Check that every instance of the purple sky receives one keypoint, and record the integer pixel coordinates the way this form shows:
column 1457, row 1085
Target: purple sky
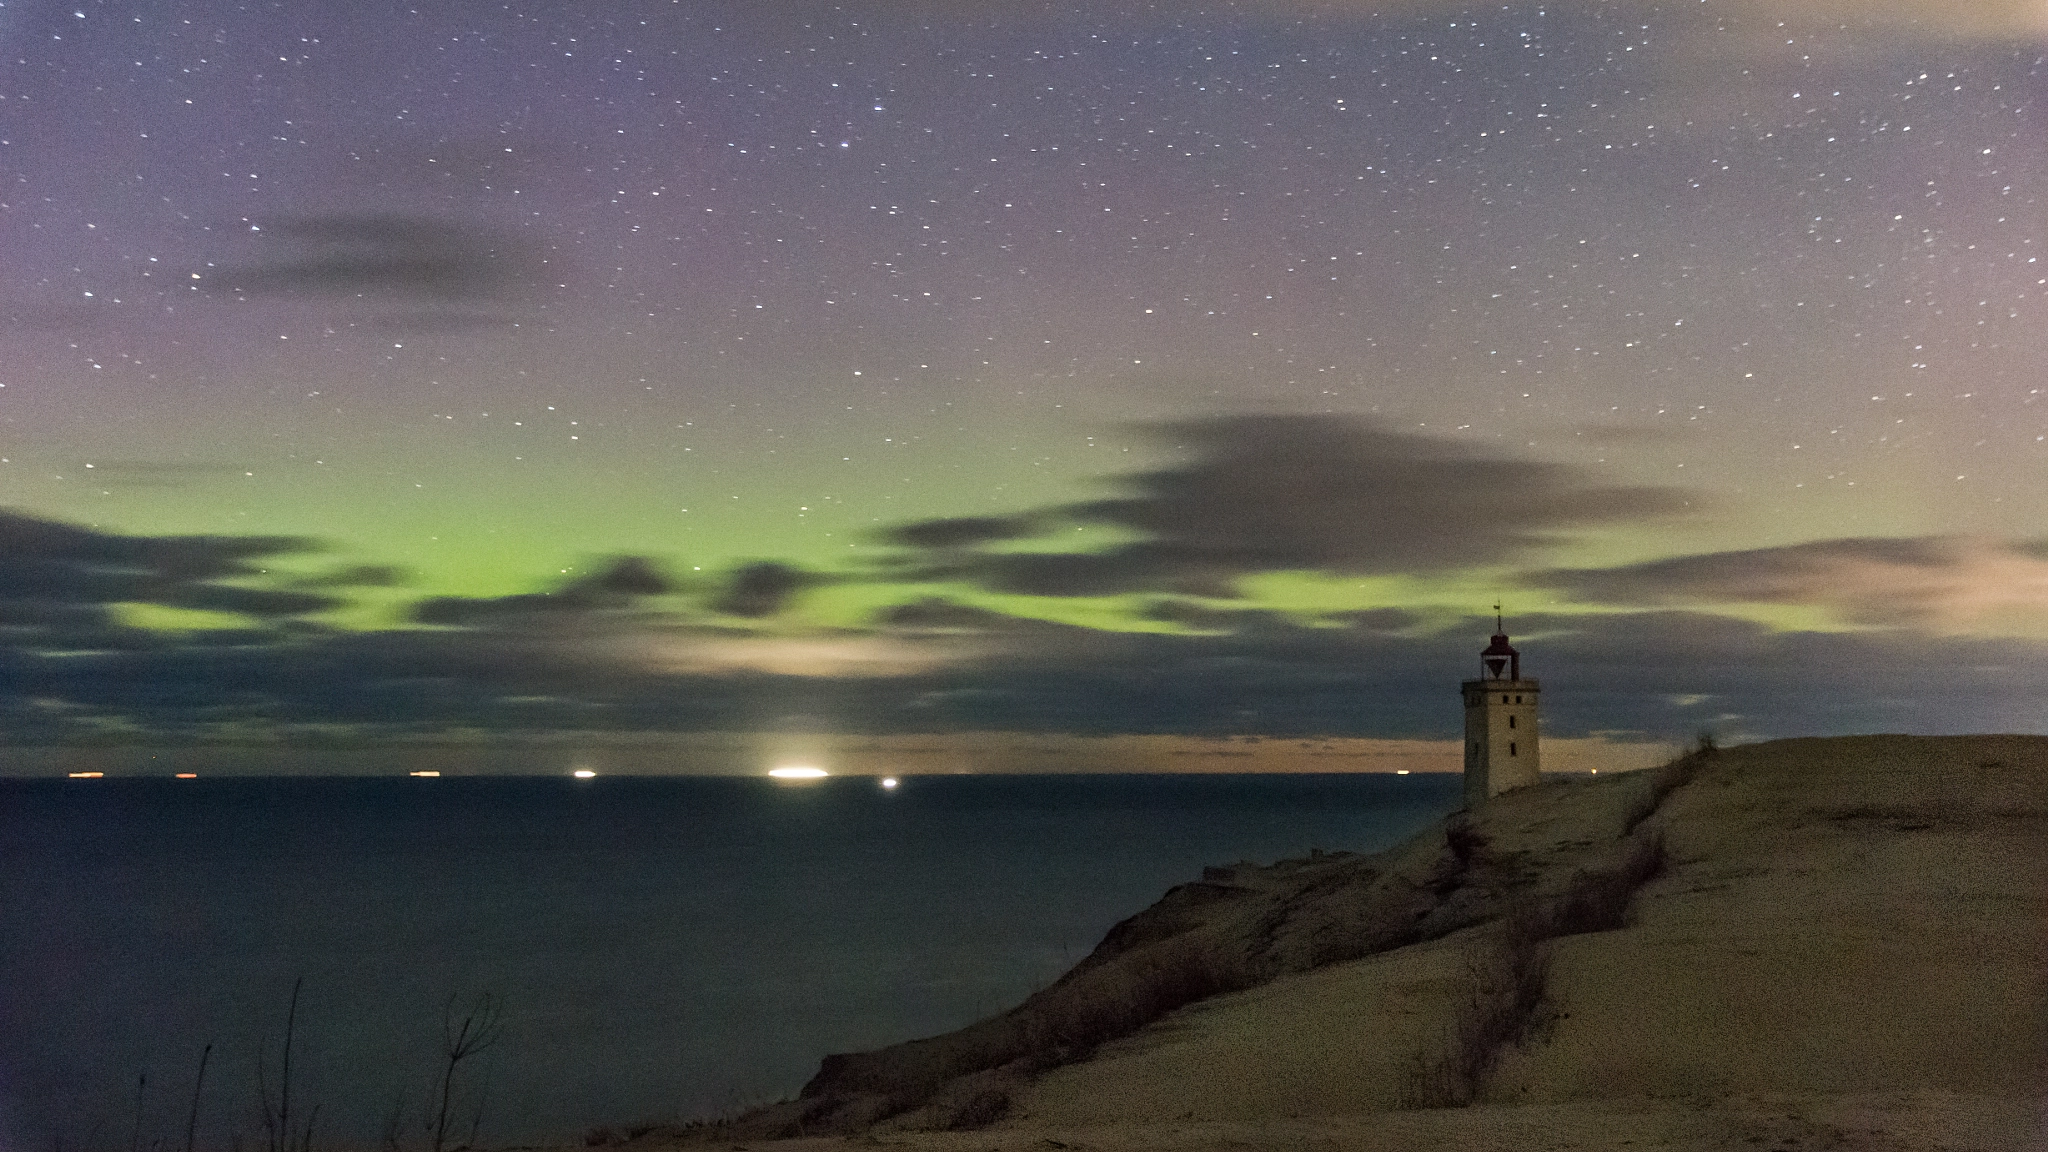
column 914, row 365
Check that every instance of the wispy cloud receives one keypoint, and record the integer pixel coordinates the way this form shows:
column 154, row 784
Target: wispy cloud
column 1943, row 584
column 1970, row 20
column 380, row 258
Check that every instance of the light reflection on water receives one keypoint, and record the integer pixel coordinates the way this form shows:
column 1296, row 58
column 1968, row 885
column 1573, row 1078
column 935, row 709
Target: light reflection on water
column 666, row 947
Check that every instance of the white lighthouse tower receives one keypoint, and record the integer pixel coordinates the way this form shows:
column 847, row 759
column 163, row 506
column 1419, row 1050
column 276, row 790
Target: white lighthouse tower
column 1500, row 723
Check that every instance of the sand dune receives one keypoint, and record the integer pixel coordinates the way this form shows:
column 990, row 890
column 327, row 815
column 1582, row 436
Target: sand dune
column 1845, row 946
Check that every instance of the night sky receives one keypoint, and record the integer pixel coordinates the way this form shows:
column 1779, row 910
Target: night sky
column 898, row 365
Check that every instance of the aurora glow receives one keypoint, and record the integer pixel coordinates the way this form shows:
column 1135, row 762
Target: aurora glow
column 911, row 345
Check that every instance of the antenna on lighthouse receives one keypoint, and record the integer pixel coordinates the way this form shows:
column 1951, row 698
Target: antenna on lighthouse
column 1500, row 658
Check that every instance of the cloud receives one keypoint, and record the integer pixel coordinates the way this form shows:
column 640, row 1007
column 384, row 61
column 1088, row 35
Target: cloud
column 963, row 531
column 1275, row 493
column 1946, row 19
column 820, row 657
column 761, row 589
column 591, row 655
column 356, row 576
column 618, row 585
column 1945, row 584
column 939, row 615
column 1656, row 674
column 59, row 582
column 377, row 257
column 1379, row 619
column 1196, row 615
column 1967, row 20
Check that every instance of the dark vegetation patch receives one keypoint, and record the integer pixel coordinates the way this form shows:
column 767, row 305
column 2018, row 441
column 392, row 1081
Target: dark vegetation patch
column 981, row 1110
column 1506, row 978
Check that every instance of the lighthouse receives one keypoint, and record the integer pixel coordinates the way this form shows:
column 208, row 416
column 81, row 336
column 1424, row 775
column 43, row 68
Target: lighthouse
column 1500, row 723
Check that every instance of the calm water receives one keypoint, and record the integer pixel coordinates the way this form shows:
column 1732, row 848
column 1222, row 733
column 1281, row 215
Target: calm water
column 667, row 947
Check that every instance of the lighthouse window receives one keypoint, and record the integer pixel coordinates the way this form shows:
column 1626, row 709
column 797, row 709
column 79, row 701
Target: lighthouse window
column 1503, row 699
column 1511, row 721
column 1511, row 747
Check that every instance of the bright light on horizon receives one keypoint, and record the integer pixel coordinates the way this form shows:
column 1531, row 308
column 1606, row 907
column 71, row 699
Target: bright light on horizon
column 1400, row 771
column 422, row 773
column 798, row 772
column 888, row 781
column 188, row 775
column 583, row 773
column 85, row 775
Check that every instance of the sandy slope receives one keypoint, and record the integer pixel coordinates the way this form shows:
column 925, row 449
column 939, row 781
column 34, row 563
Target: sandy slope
column 1774, row 1123
column 1847, row 949
column 1840, row 916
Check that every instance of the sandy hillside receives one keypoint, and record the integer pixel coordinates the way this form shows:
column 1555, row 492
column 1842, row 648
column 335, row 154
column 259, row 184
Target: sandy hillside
column 1836, row 943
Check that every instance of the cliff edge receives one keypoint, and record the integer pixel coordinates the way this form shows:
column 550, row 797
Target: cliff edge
column 1807, row 943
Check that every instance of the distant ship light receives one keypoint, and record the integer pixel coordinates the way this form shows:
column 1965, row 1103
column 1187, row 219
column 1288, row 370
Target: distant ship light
column 888, row 781
column 422, row 773
column 798, row 772
column 188, row 775
column 583, row 773
column 85, row 775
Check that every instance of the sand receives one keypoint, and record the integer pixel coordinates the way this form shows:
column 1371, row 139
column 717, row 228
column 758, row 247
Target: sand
column 1847, row 948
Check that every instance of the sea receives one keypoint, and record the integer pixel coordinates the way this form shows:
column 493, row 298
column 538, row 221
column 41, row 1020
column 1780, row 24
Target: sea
column 658, row 949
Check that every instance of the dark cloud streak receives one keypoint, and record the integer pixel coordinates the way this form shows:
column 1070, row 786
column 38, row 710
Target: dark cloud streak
column 1277, row 493
column 61, row 574
column 383, row 257
column 1661, row 675
column 761, row 589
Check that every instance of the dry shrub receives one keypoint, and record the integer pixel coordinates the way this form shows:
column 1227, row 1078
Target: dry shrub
column 1464, row 840
column 1505, row 982
column 1504, row 986
column 981, row 1110
column 1663, row 781
column 1597, row 900
column 1060, row 1025
column 1118, row 1001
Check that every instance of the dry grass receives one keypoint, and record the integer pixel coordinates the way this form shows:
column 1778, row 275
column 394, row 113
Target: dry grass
column 1506, row 979
column 1157, row 980
column 981, row 1110
column 1060, row 1025
column 1597, row 900
column 1504, row 986
column 1666, row 779
column 1464, row 840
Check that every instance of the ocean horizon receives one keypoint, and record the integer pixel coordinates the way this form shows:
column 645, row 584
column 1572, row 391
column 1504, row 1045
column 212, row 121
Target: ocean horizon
column 665, row 948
